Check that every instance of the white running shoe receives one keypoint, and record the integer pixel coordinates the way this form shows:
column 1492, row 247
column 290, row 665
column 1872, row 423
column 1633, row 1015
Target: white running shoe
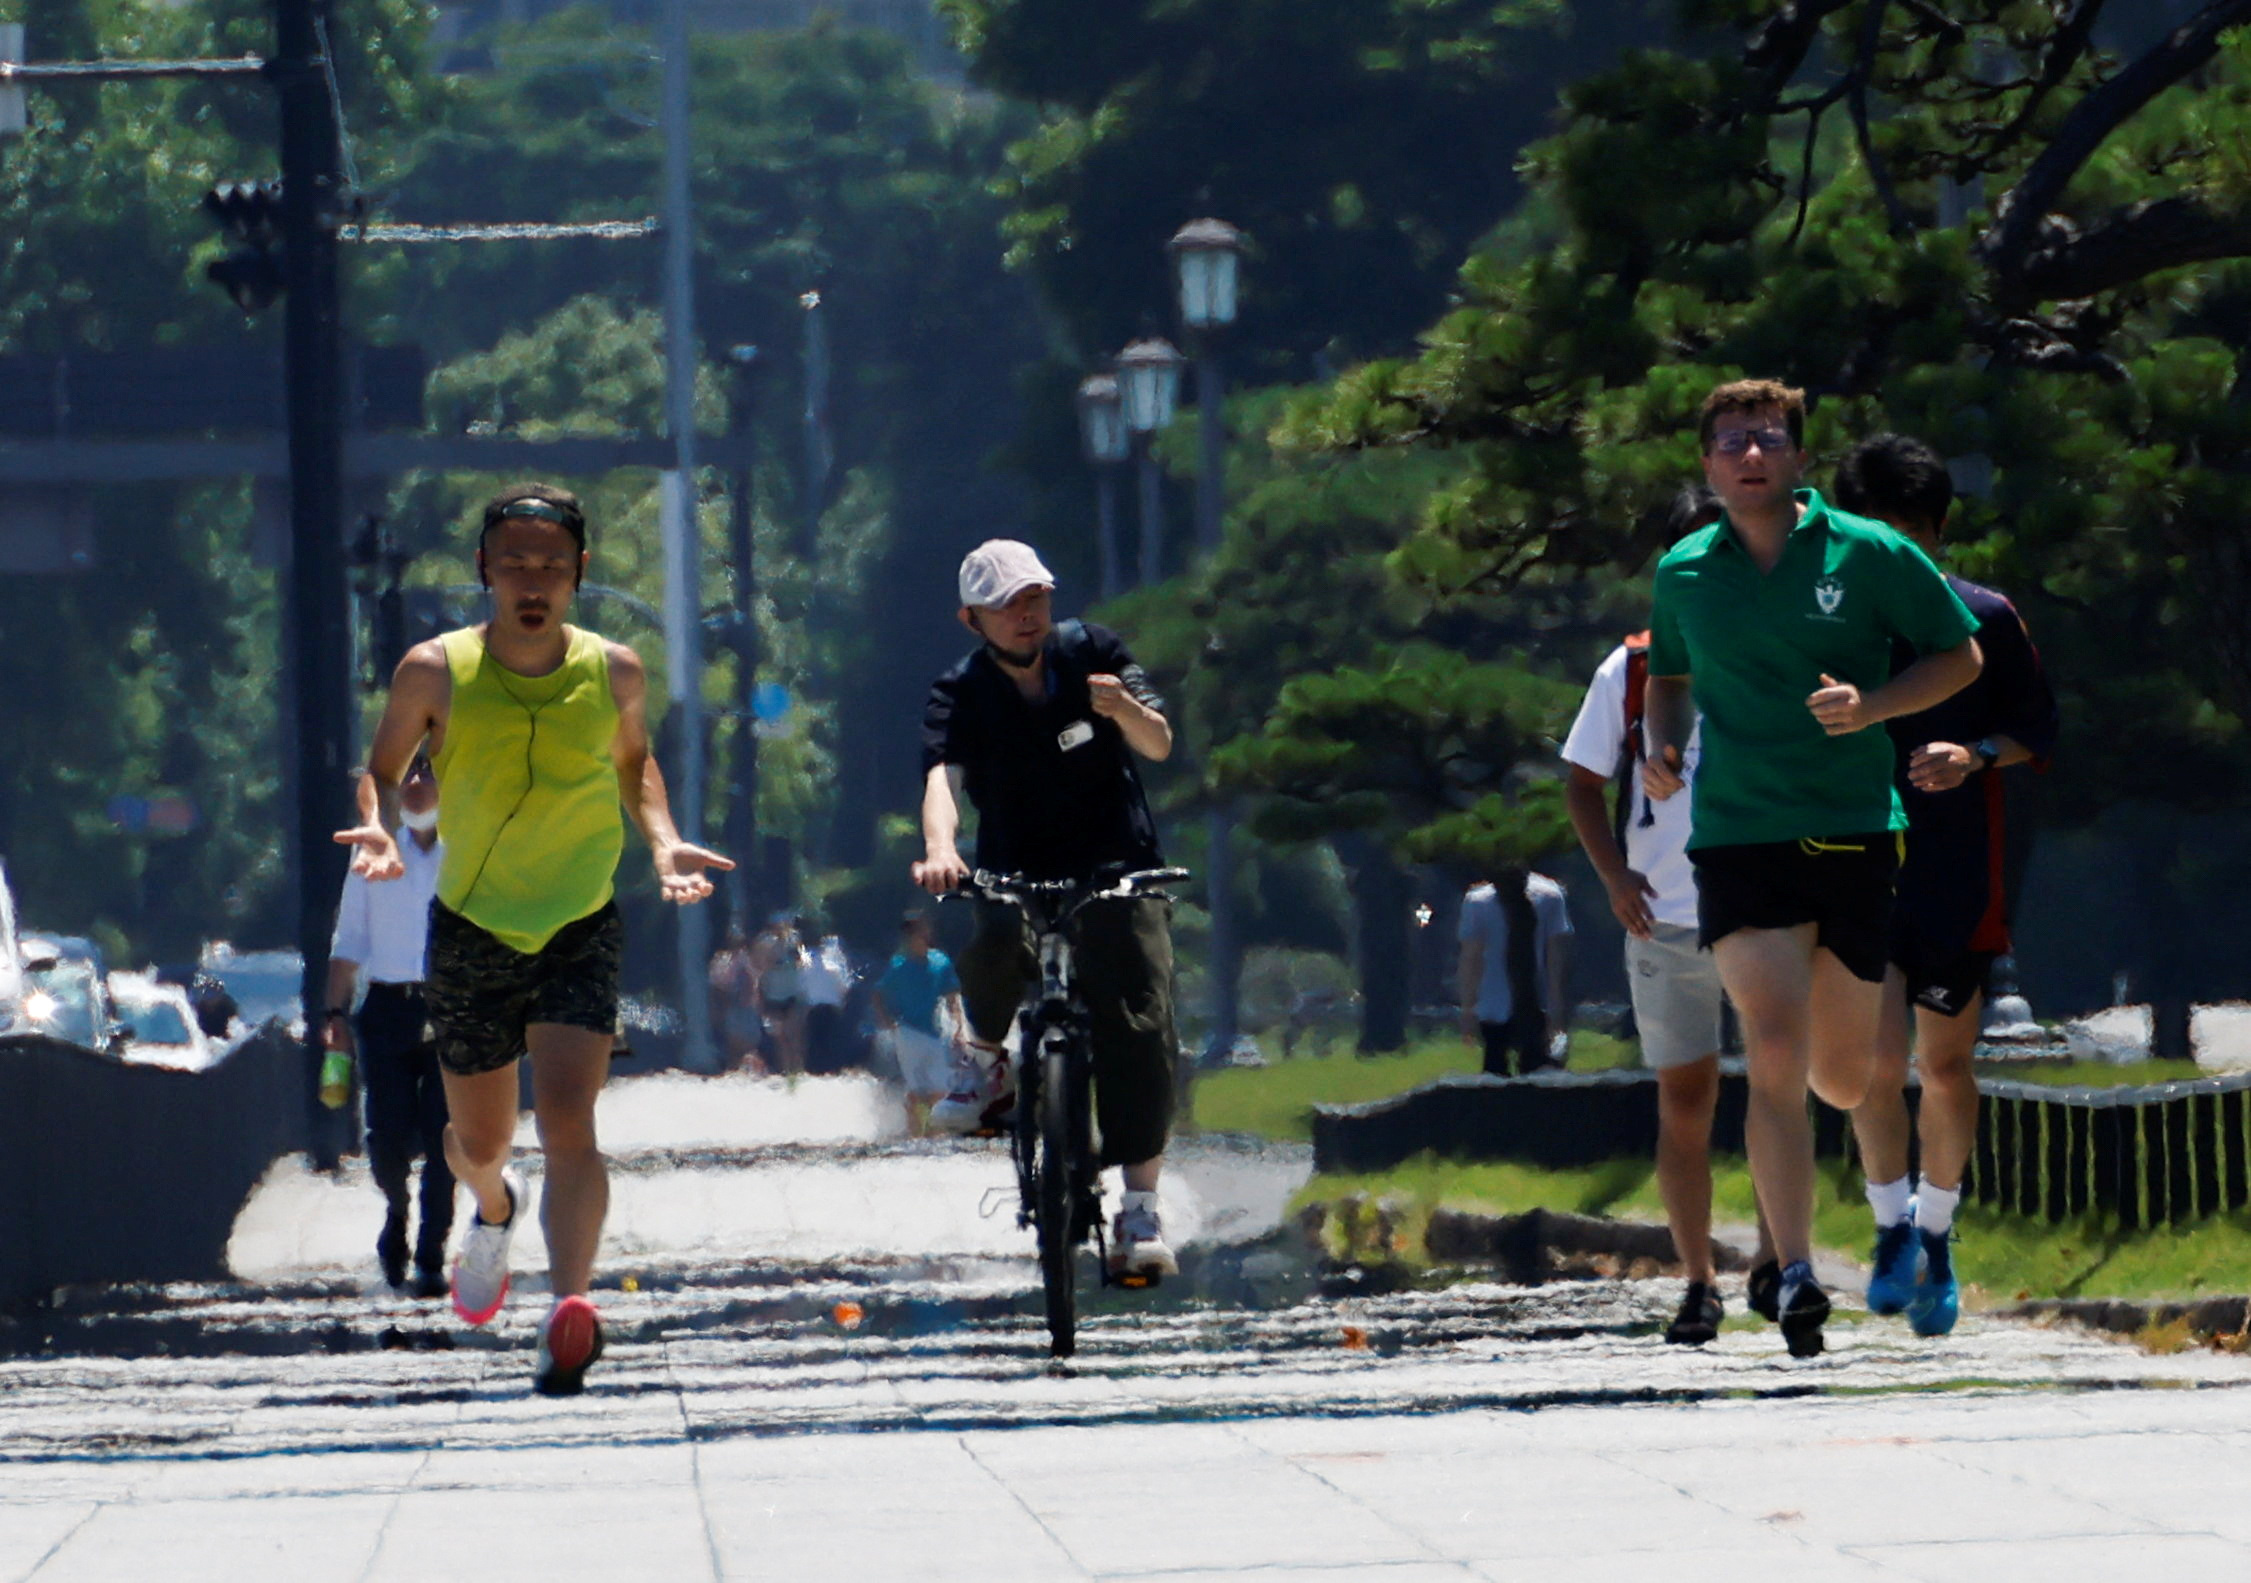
column 983, row 1094
column 1138, row 1250
column 480, row 1270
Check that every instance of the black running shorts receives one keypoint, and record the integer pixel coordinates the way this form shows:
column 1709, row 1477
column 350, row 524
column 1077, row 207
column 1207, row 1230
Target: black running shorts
column 1948, row 986
column 483, row 994
column 1842, row 885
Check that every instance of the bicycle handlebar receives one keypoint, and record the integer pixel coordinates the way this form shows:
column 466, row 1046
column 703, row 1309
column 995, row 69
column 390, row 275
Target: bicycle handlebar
column 1015, row 889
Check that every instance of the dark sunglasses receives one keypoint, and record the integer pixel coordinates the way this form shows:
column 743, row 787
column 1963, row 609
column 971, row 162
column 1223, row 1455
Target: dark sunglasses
column 1734, row 442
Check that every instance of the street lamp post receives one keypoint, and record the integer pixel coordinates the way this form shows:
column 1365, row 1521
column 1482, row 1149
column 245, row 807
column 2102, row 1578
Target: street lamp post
column 1103, row 435
column 1149, row 383
column 1206, row 255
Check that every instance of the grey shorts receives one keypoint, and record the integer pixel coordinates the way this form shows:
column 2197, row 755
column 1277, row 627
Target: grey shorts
column 1677, row 996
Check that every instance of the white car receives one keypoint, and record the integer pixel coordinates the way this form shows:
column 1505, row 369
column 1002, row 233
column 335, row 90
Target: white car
column 157, row 1023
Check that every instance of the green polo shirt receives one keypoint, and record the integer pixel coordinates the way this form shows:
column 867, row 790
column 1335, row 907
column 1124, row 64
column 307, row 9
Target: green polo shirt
column 1756, row 645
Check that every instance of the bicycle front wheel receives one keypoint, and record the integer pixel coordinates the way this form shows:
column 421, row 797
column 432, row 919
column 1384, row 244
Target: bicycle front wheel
column 1058, row 1176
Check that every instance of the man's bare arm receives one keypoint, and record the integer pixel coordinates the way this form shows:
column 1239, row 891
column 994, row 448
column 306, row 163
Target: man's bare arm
column 1146, row 730
column 415, row 712
column 941, row 868
column 1669, row 718
column 679, row 864
column 1843, row 708
column 1590, row 821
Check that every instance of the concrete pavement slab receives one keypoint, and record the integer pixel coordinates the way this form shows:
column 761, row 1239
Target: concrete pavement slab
column 539, row 1535
column 2095, row 1558
column 319, row 1539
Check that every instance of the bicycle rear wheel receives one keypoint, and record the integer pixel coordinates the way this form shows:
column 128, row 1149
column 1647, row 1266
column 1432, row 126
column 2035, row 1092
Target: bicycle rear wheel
column 1057, row 1170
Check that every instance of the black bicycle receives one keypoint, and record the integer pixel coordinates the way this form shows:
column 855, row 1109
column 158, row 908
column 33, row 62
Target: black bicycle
column 1058, row 1172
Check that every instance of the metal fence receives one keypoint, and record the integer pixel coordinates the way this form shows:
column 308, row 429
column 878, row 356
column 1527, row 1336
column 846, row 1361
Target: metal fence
column 2162, row 1154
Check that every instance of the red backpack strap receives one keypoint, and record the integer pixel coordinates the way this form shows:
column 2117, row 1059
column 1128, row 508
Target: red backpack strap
column 1629, row 740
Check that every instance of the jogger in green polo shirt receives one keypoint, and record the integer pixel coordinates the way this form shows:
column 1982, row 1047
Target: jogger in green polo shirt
column 1777, row 623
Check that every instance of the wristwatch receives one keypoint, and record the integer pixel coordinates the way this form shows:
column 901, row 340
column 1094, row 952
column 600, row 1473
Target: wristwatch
column 1988, row 752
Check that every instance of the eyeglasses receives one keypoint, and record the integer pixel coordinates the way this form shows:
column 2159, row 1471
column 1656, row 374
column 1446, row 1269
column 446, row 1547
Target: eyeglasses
column 1734, row 442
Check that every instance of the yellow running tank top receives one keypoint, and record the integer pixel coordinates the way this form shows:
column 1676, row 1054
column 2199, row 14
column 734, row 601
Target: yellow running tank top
column 528, row 792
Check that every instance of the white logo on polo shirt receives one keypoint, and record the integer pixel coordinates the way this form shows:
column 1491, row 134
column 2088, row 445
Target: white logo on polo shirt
column 1828, row 594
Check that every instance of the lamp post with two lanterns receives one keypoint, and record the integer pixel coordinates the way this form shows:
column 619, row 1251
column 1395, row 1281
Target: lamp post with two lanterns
column 1103, row 436
column 1207, row 255
column 1149, row 390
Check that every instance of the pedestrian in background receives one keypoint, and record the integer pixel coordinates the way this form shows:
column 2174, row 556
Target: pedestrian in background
column 382, row 930
column 1512, row 970
column 779, row 957
column 827, row 982
column 918, row 1005
column 733, row 981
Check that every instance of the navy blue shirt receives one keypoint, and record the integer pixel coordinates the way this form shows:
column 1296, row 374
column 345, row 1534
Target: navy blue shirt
column 1054, row 784
column 1956, row 888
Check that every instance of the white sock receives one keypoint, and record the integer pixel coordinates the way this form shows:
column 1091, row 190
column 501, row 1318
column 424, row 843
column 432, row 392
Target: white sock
column 1934, row 1209
column 1134, row 1200
column 1889, row 1201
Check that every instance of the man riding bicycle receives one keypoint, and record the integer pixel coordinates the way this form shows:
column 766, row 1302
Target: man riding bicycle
column 1041, row 725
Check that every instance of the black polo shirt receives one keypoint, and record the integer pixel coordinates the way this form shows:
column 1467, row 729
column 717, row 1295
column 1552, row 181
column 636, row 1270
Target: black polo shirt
column 1054, row 784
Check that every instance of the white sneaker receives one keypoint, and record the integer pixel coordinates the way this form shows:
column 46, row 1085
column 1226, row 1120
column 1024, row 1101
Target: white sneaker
column 983, row 1094
column 480, row 1270
column 1138, row 1250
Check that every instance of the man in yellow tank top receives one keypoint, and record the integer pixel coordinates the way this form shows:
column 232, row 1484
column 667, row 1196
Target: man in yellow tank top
column 538, row 732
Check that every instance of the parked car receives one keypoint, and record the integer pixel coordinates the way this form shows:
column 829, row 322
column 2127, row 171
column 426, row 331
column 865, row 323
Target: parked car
column 158, row 1024
column 266, row 985
column 65, row 993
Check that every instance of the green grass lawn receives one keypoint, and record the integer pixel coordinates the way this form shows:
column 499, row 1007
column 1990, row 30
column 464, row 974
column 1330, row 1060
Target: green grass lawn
column 2006, row 1258
column 2092, row 1074
column 1277, row 1100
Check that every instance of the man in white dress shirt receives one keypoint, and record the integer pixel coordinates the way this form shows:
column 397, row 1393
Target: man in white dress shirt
column 382, row 930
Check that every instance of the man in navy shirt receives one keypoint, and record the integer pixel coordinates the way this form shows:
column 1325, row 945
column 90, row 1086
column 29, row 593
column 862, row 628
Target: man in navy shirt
column 1041, row 725
column 1951, row 915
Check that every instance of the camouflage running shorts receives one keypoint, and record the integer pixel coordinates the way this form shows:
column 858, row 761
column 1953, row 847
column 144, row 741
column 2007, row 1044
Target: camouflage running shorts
column 482, row 994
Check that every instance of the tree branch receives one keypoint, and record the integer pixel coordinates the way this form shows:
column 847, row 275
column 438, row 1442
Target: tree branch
column 2138, row 240
column 2018, row 215
column 2064, row 52
column 1780, row 47
column 1871, row 39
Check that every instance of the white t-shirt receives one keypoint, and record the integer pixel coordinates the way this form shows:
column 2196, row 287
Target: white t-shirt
column 1657, row 850
column 1483, row 921
column 383, row 925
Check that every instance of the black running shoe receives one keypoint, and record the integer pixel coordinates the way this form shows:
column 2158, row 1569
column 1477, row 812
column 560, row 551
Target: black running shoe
column 1699, row 1318
column 1763, row 1291
column 1804, row 1308
column 390, row 1248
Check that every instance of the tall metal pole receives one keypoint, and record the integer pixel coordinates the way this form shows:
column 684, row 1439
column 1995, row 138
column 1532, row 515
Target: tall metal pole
column 682, row 541
column 742, row 764
column 1106, row 527
column 317, row 612
column 1152, row 511
column 1219, row 820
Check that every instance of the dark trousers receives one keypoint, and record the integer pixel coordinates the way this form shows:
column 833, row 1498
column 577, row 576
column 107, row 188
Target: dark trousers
column 1525, row 1035
column 1123, row 960
column 406, row 1113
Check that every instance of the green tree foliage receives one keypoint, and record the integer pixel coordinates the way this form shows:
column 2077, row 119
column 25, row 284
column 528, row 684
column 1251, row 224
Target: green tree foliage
column 155, row 671
column 1962, row 220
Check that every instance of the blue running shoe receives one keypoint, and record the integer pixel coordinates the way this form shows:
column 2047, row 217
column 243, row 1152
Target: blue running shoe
column 1938, row 1295
column 1891, row 1284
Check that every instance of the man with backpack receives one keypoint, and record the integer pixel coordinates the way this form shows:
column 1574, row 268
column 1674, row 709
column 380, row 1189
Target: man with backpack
column 1640, row 852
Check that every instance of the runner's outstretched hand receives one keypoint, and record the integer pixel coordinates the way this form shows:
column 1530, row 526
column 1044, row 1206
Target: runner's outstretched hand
column 680, row 871
column 1839, row 707
column 375, row 855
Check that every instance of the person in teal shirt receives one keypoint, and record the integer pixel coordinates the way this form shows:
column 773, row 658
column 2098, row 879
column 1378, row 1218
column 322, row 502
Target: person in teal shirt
column 1777, row 623
column 920, row 980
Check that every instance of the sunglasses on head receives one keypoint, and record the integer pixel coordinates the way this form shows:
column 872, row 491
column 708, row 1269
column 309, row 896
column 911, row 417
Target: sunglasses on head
column 1734, row 442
